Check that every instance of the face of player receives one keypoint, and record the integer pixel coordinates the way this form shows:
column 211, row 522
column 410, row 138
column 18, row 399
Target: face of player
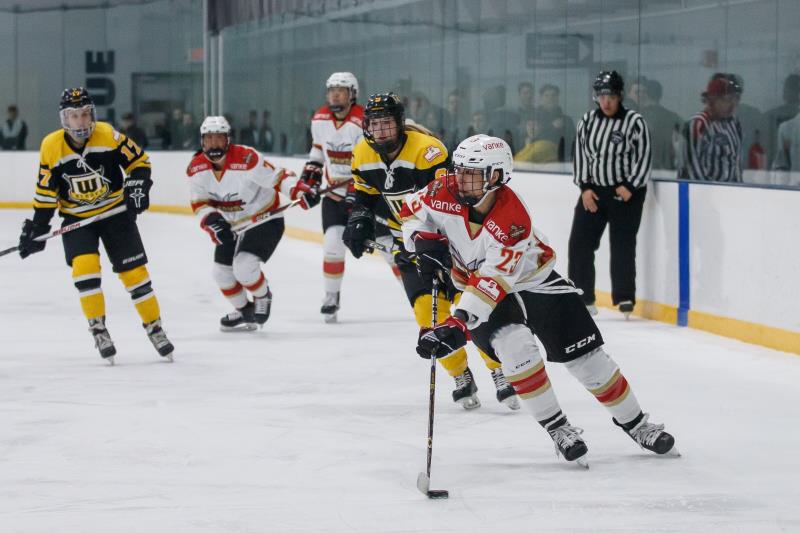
column 215, row 145
column 722, row 106
column 339, row 98
column 609, row 104
column 78, row 118
column 383, row 129
column 470, row 182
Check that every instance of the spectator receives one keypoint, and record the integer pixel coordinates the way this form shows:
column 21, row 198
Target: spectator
column 552, row 124
column 503, row 121
column 454, row 120
column 634, row 99
column 251, row 134
column 175, row 127
column 777, row 116
column 612, row 168
column 787, row 156
column 14, row 132
column 190, row 133
column 478, row 124
column 266, row 134
column 661, row 122
column 752, row 121
column 714, row 135
column 133, row 131
column 536, row 149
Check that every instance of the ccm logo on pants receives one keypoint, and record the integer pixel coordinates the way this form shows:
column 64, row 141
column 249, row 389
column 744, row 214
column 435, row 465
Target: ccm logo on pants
column 580, row 344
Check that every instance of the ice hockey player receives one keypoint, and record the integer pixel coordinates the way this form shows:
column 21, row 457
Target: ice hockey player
column 471, row 221
column 230, row 184
column 392, row 160
column 87, row 168
column 335, row 129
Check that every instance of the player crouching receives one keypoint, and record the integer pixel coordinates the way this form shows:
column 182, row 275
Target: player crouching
column 510, row 291
column 230, row 185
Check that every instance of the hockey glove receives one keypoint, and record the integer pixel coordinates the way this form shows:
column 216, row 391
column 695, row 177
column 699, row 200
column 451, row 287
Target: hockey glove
column 218, row 228
column 444, row 339
column 137, row 194
column 308, row 194
column 30, row 230
column 360, row 227
column 402, row 257
column 312, row 174
column 433, row 255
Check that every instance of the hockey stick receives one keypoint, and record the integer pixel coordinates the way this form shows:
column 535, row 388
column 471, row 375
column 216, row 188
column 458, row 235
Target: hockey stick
column 263, row 218
column 375, row 245
column 71, row 227
column 424, row 478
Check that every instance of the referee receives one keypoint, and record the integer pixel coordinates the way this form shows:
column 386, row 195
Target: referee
column 612, row 167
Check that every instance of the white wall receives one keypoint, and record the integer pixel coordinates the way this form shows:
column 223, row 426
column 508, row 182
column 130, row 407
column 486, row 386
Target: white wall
column 743, row 261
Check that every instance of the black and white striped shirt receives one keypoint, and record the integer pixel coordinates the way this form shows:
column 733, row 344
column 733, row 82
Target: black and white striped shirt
column 612, row 151
column 713, row 149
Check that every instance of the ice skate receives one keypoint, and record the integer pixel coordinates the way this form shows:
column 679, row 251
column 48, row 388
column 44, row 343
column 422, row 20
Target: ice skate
column 466, row 392
column 569, row 443
column 626, row 308
column 652, row 437
column 261, row 308
column 158, row 337
column 102, row 339
column 505, row 392
column 330, row 306
column 242, row 319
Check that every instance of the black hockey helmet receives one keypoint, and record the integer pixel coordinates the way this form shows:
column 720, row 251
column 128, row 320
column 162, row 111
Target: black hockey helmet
column 608, row 82
column 380, row 106
column 76, row 98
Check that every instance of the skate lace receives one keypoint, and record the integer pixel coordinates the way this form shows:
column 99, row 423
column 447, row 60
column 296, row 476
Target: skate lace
column 157, row 335
column 102, row 338
column 565, row 436
column 234, row 315
column 262, row 304
column 646, row 433
column 463, row 380
column 500, row 381
column 331, row 299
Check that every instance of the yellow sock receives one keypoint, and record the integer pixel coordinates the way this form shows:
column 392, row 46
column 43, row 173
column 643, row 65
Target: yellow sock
column 86, row 277
column 137, row 282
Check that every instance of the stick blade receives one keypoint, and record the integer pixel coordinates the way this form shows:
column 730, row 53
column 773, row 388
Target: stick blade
column 424, row 484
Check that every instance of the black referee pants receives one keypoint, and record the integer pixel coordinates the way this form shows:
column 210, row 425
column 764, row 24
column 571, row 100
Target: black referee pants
column 584, row 240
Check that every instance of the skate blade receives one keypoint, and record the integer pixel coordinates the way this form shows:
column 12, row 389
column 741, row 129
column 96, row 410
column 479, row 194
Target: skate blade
column 168, row 358
column 582, row 462
column 673, row 452
column 234, row 329
column 469, row 403
column 627, row 316
column 512, row 403
column 330, row 319
column 109, row 360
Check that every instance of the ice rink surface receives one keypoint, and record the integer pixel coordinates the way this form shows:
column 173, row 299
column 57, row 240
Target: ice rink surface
column 309, row 427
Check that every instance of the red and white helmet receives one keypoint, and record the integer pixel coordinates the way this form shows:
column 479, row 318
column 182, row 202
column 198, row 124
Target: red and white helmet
column 344, row 79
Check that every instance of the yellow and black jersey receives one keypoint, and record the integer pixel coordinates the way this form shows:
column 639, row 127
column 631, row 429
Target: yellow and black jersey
column 86, row 182
column 421, row 160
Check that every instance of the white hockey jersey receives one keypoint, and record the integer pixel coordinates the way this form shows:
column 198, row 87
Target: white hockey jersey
column 333, row 142
column 249, row 185
column 503, row 255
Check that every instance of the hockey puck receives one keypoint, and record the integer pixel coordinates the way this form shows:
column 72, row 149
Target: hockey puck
column 438, row 494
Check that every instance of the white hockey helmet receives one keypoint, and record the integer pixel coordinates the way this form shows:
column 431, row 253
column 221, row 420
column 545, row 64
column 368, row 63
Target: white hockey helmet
column 346, row 80
column 215, row 124
column 487, row 154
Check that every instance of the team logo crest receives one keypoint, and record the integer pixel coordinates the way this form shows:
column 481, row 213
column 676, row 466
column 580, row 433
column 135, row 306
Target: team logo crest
column 516, row 231
column 389, row 183
column 616, row 137
column 434, row 188
column 431, row 153
column 88, row 188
